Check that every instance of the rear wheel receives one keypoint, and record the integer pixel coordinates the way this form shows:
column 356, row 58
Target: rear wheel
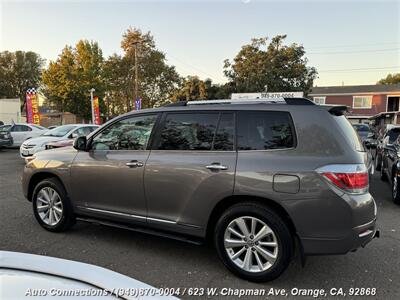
column 51, row 206
column 382, row 171
column 377, row 163
column 253, row 242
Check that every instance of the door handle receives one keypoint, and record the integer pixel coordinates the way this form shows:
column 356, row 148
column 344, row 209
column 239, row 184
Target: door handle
column 134, row 164
column 216, row 167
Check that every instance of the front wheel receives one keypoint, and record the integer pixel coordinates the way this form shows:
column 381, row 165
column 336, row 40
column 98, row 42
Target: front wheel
column 395, row 190
column 253, row 242
column 51, row 206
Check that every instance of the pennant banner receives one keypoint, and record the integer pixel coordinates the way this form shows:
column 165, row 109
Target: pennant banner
column 32, row 107
column 96, row 109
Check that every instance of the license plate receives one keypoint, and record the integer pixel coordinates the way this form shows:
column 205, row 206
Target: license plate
column 25, row 152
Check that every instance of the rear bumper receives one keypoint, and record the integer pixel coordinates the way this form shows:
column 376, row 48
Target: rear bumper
column 359, row 236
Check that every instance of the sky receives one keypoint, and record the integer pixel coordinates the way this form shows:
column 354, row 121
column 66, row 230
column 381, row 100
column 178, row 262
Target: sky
column 348, row 42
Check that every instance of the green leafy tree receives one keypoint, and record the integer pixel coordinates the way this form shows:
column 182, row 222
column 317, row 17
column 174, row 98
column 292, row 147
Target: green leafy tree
column 67, row 80
column 192, row 88
column 19, row 71
column 390, row 79
column 278, row 66
column 157, row 81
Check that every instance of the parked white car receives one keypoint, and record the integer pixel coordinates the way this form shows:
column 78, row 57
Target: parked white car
column 25, row 275
column 71, row 131
column 22, row 131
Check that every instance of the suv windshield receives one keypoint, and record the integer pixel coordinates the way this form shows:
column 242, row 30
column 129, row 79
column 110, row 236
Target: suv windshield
column 60, row 131
column 349, row 132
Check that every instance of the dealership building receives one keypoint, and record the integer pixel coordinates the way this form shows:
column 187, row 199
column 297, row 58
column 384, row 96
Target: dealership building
column 365, row 102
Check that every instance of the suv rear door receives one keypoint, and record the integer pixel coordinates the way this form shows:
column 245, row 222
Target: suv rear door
column 191, row 166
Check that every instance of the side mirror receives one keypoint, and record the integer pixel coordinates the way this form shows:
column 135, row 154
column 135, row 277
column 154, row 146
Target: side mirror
column 80, row 143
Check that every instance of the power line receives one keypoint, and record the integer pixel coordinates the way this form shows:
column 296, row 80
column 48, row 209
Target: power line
column 351, row 45
column 359, row 69
column 356, row 51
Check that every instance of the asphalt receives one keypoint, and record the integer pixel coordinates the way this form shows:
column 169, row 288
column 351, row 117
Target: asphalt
column 167, row 263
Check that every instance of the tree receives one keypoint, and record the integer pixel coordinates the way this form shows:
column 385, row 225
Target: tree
column 157, row 81
column 390, row 79
column 275, row 65
column 19, row 71
column 192, row 88
column 67, row 80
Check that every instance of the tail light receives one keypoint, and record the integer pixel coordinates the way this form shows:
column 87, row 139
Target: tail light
column 351, row 178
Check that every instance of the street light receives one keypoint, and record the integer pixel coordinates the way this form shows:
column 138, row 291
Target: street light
column 91, row 103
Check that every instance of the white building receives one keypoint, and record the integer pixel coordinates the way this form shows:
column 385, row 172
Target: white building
column 10, row 111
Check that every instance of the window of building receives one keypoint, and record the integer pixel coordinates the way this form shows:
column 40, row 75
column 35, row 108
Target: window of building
column 265, row 130
column 319, row 100
column 362, row 101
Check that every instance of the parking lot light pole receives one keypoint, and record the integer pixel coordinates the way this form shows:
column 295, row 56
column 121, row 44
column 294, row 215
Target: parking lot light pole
column 91, row 103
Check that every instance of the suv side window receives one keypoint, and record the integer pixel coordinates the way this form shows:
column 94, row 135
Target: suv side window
column 188, row 131
column 128, row 134
column 264, row 130
column 224, row 138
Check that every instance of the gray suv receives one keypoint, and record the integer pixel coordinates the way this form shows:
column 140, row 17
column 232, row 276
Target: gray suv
column 260, row 179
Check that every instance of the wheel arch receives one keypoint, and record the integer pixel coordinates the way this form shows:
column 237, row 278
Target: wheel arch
column 227, row 202
column 38, row 177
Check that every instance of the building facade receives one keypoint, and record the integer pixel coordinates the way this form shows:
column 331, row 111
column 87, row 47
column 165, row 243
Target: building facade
column 364, row 101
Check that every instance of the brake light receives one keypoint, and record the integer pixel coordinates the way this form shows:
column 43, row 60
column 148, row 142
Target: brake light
column 352, row 178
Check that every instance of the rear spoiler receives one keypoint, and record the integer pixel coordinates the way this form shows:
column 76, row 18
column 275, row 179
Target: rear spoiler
column 336, row 110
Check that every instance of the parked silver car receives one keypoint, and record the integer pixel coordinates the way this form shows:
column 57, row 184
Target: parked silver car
column 253, row 176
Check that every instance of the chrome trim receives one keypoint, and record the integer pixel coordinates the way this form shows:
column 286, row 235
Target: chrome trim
column 216, row 167
column 161, row 220
column 127, row 215
column 365, row 233
column 113, row 213
column 343, row 168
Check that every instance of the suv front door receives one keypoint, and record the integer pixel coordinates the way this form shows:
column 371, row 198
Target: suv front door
column 191, row 167
column 108, row 179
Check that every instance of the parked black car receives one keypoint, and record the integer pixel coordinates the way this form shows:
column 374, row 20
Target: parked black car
column 390, row 167
column 6, row 139
column 388, row 138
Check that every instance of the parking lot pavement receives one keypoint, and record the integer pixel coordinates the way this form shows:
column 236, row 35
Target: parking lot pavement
column 167, row 263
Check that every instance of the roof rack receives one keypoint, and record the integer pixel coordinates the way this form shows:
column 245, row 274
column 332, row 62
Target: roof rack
column 288, row 101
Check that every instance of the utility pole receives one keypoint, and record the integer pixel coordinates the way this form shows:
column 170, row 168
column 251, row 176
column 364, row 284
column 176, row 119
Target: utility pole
column 91, row 103
column 135, row 44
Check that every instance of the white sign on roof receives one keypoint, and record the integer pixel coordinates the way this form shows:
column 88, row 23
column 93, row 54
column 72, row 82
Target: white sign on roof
column 267, row 95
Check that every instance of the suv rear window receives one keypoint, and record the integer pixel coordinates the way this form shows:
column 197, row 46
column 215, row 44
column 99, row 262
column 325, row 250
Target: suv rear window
column 349, row 132
column 265, row 130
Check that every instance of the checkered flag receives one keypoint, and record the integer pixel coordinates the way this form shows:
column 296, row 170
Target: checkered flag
column 31, row 91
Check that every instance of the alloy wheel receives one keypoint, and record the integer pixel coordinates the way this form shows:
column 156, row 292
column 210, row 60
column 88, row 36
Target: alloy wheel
column 251, row 244
column 49, row 206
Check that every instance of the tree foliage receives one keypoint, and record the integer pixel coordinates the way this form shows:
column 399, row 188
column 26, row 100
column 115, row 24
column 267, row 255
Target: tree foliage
column 278, row 66
column 67, row 80
column 157, row 81
column 390, row 79
column 19, row 71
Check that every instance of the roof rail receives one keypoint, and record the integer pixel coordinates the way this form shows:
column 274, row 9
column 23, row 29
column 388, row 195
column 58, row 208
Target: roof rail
column 288, row 101
column 230, row 101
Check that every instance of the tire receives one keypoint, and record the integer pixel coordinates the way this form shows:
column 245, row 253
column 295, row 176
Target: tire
column 395, row 190
column 377, row 163
column 382, row 172
column 66, row 217
column 261, row 269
